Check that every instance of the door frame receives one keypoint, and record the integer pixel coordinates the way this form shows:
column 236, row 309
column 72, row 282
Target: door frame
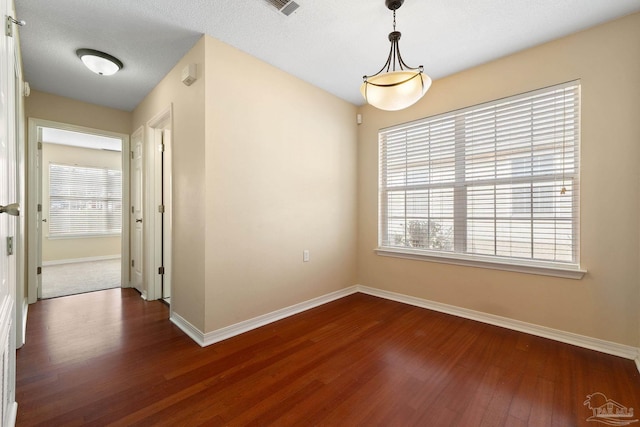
column 33, row 188
column 154, row 233
column 139, row 134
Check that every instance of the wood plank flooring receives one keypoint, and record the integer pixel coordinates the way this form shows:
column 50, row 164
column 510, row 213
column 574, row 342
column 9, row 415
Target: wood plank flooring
column 110, row 358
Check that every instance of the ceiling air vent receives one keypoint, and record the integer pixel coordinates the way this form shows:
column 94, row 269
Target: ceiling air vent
column 286, row 7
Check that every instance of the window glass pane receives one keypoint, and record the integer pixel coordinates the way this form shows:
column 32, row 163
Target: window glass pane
column 481, row 237
column 481, row 201
column 513, row 238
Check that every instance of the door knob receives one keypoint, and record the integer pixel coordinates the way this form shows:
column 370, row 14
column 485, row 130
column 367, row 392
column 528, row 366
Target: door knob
column 13, row 209
column 139, row 220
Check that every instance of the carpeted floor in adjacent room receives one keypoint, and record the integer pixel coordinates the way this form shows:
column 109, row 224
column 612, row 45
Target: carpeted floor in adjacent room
column 69, row 279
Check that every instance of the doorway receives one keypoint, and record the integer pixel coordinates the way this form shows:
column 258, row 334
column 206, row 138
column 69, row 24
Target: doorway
column 150, row 211
column 78, row 189
column 158, row 203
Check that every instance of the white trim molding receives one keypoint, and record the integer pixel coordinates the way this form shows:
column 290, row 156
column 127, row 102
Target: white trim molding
column 13, row 413
column 194, row 333
column 494, row 263
column 603, row 346
column 23, row 326
column 205, row 339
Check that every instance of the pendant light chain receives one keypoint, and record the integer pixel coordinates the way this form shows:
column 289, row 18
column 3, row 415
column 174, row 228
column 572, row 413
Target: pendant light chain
column 394, row 19
column 394, row 44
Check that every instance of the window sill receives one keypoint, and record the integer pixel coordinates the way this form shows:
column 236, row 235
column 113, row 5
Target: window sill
column 568, row 271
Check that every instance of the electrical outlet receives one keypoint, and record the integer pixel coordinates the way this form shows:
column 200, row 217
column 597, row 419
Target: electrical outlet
column 305, row 255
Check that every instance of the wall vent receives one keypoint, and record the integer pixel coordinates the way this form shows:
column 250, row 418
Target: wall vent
column 286, row 7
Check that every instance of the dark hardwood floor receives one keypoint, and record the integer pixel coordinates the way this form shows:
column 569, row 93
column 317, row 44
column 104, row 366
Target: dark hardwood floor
column 110, row 358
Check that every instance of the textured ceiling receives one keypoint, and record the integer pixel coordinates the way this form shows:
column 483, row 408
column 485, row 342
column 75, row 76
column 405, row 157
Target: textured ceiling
column 328, row 43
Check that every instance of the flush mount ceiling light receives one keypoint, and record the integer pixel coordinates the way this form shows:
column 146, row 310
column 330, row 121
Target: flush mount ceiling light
column 396, row 85
column 99, row 62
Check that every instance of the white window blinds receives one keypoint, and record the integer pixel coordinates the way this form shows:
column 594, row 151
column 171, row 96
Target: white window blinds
column 497, row 180
column 84, row 201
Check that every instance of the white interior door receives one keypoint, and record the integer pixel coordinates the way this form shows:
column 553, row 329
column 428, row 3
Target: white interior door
column 18, row 120
column 8, row 222
column 137, row 217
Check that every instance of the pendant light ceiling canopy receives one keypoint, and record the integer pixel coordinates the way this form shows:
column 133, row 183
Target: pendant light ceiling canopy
column 396, row 86
column 99, row 62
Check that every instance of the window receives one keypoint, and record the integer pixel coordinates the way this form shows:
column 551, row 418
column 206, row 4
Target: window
column 84, row 201
column 496, row 182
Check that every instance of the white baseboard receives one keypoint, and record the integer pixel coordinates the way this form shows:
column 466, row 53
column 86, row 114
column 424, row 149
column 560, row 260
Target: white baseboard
column 248, row 325
column 13, row 414
column 256, row 322
column 603, row 346
column 194, row 333
column 25, row 312
column 74, row 260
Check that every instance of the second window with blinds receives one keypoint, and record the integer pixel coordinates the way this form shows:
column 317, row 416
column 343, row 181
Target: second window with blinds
column 84, row 201
column 496, row 182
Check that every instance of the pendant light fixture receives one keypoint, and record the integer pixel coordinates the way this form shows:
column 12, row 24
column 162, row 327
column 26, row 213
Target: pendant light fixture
column 99, row 62
column 396, row 86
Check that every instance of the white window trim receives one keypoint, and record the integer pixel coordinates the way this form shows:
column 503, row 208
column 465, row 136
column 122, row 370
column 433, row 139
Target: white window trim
column 538, row 267
column 569, row 271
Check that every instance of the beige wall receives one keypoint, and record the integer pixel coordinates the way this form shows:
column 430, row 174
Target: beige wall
column 281, row 178
column 605, row 304
column 259, row 175
column 41, row 105
column 61, row 249
column 188, row 180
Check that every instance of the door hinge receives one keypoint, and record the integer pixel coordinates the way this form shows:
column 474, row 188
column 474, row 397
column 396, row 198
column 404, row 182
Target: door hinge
column 9, row 245
column 131, row 209
column 161, row 147
column 161, row 208
column 160, row 270
column 39, row 207
column 39, row 145
column 39, row 270
column 8, row 29
column 132, row 154
column 133, row 263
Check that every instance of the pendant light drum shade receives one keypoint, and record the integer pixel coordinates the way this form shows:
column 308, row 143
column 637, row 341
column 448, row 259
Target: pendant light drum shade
column 99, row 62
column 395, row 90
